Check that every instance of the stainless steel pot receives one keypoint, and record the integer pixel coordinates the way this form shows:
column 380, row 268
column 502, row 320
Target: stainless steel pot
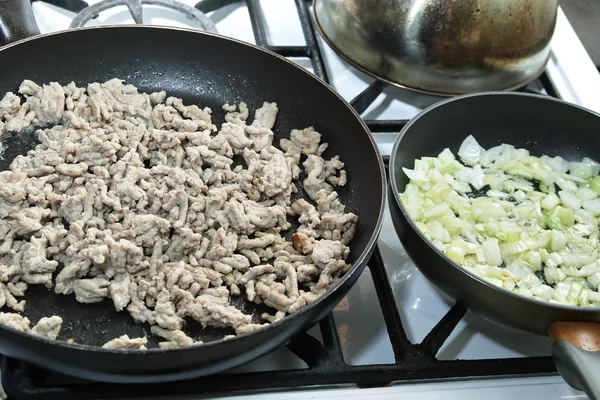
column 444, row 47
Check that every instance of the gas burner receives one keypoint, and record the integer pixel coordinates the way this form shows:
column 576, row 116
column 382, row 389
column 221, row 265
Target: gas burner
column 135, row 9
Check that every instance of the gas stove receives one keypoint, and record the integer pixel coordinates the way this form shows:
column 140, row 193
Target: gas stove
column 394, row 334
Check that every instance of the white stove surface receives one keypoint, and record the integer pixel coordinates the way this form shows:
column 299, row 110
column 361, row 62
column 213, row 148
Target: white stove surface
column 360, row 323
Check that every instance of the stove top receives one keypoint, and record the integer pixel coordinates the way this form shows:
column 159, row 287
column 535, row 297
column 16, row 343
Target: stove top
column 393, row 328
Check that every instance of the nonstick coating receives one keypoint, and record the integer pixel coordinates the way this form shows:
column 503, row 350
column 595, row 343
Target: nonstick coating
column 539, row 124
column 207, row 70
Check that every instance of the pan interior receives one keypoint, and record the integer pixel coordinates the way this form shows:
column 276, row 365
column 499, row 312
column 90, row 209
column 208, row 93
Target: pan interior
column 206, row 70
column 543, row 126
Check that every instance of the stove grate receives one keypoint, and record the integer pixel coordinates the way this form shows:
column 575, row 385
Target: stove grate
column 325, row 360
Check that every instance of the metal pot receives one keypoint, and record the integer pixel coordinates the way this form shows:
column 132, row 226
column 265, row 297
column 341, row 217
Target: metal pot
column 444, row 47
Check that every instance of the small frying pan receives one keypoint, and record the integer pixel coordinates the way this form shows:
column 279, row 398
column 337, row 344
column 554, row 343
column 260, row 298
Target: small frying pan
column 208, row 70
column 543, row 126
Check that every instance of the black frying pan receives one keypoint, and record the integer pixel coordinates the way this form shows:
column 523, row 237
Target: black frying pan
column 543, row 126
column 207, row 70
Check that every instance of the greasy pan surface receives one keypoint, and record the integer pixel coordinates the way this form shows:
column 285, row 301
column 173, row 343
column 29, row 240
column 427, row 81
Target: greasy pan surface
column 207, row 70
column 539, row 124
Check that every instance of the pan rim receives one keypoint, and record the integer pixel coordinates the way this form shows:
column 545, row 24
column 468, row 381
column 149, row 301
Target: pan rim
column 400, row 204
column 361, row 259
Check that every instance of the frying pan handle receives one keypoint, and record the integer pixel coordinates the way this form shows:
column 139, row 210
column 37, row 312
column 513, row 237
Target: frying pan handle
column 576, row 353
column 16, row 21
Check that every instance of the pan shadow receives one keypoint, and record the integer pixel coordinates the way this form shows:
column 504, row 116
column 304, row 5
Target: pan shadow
column 360, row 325
column 222, row 13
column 522, row 343
column 279, row 359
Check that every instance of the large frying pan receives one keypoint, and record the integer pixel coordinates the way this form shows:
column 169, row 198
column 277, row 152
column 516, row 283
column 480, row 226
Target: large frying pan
column 543, row 126
column 204, row 69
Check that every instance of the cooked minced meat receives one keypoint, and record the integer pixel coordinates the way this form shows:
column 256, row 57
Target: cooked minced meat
column 136, row 197
column 125, row 342
column 48, row 326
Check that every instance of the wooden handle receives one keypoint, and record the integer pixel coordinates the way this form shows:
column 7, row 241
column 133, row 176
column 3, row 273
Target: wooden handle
column 584, row 335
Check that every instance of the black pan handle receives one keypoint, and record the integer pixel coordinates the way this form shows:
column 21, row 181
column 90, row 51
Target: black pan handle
column 576, row 353
column 16, row 21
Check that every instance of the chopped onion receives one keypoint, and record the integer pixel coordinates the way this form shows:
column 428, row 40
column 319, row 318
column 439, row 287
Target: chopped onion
column 578, row 260
column 536, row 215
column 416, row 176
column 550, row 202
column 437, row 212
column 595, row 166
column 573, row 294
column 456, row 254
column 594, row 280
column 584, row 272
column 593, row 206
column 470, row 151
column 580, row 170
column 570, row 200
column 564, row 184
column 535, row 260
column 585, row 193
column 543, row 291
column 557, row 163
column 558, row 241
column 491, row 155
column 519, row 195
column 491, row 250
column 595, row 184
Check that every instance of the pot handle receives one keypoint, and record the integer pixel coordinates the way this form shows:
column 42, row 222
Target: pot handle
column 576, row 353
column 16, row 21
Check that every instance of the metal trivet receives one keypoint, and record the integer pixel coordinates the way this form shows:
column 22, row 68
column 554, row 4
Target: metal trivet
column 135, row 9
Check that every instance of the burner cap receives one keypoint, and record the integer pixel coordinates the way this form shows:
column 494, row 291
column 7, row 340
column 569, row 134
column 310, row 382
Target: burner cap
column 135, row 8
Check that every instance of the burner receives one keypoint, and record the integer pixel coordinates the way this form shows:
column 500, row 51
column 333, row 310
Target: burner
column 135, row 8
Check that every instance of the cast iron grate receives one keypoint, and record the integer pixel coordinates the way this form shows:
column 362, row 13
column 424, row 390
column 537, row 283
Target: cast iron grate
column 325, row 360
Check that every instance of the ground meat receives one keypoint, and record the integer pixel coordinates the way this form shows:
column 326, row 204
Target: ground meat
column 90, row 290
column 15, row 321
column 48, row 327
column 303, row 243
column 125, row 342
column 174, row 338
column 327, row 250
column 141, row 199
column 47, row 102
